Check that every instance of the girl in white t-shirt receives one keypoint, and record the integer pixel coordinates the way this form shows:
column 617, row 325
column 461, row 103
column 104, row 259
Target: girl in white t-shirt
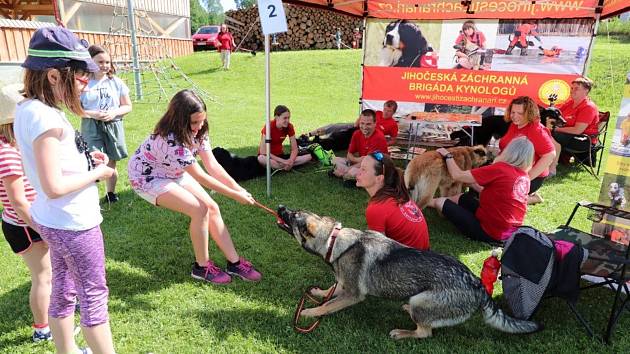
column 66, row 211
column 105, row 101
column 17, row 195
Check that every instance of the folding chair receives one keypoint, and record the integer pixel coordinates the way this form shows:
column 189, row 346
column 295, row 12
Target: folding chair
column 587, row 158
column 606, row 259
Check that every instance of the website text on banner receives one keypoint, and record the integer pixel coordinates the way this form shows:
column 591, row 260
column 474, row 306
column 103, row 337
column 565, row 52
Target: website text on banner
column 451, row 9
column 440, row 9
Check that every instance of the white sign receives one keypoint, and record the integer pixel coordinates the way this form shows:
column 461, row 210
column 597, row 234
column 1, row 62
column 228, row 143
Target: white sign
column 272, row 16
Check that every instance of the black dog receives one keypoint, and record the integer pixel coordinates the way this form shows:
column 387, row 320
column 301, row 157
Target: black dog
column 403, row 45
column 334, row 137
column 553, row 114
column 495, row 127
column 239, row 168
column 491, row 126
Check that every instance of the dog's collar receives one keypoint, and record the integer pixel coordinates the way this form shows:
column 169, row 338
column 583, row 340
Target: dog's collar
column 331, row 241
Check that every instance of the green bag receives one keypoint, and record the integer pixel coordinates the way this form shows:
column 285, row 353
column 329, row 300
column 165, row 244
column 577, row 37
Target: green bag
column 325, row 157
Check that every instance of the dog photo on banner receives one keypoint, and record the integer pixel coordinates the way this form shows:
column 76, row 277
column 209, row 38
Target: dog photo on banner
column 471, row 66
column 467, row 44
column 616, row 181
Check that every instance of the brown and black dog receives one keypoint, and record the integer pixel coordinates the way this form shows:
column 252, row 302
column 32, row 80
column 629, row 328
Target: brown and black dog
column 426, row 172
column 439, row 290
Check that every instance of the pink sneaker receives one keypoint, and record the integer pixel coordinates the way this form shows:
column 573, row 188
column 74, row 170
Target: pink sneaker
column 210, row 273
column 244, row 270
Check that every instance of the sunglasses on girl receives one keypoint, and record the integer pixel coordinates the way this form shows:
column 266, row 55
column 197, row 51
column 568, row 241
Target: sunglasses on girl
column 82, row 79
column 378, row 156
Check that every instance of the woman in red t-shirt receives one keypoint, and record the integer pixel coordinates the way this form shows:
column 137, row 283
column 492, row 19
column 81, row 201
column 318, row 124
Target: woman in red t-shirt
column 582, row 116
column 390, row 211
column 503, row 188
column 525, row 117
column 225, row 45
column 280, row 128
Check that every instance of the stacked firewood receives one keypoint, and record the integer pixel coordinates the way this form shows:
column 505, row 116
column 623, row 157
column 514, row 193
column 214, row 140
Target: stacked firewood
column 308, row 28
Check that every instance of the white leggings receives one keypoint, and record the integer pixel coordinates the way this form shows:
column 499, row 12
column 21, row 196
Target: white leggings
column 225, row 58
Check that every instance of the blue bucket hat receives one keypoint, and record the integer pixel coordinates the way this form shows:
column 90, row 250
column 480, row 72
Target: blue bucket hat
column 57, row 47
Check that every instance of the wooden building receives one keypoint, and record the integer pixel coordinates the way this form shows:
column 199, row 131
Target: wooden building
column 159, row 23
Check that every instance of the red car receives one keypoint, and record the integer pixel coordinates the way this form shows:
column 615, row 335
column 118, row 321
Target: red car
column 205, row 37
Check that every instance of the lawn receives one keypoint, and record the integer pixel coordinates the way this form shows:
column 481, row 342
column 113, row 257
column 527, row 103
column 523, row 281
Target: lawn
column 156, row 307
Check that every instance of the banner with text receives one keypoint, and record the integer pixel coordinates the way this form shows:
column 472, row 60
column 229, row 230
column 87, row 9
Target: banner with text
column 440, row 9
column 461, row 87
column 461, row 65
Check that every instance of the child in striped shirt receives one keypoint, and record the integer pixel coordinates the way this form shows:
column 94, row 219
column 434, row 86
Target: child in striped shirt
column 16, row 195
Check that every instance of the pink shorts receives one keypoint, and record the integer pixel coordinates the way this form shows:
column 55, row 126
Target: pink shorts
column 149, row 191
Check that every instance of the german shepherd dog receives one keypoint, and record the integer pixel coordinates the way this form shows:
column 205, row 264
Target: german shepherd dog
column 441, row 291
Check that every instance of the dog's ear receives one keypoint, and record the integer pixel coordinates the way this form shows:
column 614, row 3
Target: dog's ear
column 316, row 224
column 312, row 223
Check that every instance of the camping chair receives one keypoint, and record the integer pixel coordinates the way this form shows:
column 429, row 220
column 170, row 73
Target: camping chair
column 606, row 259
column 587, row 158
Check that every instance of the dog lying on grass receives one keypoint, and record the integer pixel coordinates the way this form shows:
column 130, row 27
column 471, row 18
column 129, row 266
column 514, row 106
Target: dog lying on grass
column 427, row 172
column 440, row 290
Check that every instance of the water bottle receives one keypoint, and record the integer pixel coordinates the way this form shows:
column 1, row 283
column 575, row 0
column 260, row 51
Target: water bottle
column 490, row 271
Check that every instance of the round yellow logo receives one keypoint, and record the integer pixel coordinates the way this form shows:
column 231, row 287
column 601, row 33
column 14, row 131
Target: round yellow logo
column 554, row 88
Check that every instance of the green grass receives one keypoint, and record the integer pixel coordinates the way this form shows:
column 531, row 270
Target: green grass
column 155, row 306
column 615, row 26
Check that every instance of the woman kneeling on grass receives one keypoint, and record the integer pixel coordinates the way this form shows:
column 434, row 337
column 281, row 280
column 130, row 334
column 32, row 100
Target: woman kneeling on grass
column 503, row 188
column 390, row 210
column 165, row 172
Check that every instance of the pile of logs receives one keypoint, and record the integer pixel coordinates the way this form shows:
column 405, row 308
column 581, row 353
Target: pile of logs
column 308, row 28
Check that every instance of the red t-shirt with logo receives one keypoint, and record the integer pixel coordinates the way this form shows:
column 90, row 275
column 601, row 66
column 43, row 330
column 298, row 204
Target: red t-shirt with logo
column 503, row 200
column 585, row 112
column 388, row 126
column 362, row 145
column 403, row 223
column 277, row 137
column 537, row 134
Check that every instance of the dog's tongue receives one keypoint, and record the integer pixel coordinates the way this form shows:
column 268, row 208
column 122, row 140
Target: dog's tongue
column 281, row 222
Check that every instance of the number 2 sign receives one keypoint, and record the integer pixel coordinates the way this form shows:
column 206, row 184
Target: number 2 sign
column 272, row 16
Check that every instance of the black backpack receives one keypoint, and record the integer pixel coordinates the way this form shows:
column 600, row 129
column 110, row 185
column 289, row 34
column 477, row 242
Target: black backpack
column 530, row 271
column 526, row 270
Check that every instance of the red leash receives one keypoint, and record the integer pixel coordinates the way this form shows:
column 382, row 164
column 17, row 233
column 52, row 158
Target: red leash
column 307, row 294
column 298, row 311
column 267, row 209
column 270, row 211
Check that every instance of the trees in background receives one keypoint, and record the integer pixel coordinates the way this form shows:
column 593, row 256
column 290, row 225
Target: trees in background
column 244, row 4
column 205, row 12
